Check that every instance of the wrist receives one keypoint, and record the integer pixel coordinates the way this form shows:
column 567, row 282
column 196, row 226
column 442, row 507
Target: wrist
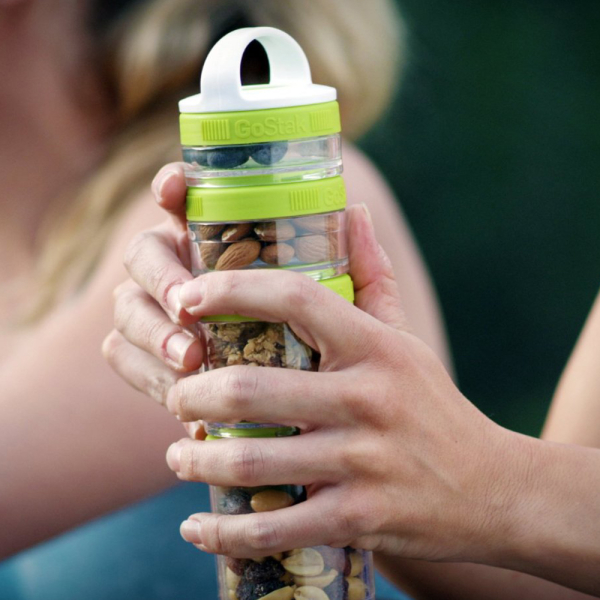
column 547, row 523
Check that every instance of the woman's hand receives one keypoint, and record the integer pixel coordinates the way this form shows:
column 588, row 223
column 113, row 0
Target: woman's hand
column 393, row 457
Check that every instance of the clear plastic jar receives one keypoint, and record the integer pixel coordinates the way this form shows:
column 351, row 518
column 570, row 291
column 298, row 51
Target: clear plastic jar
column 287, row 161
column 317, row 573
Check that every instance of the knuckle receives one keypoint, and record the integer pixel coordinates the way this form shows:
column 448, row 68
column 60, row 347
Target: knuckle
column 178, row 398
column 262, row 534
column 135, row 249
column 302, row 293
column 123, row 312
column 158, row 386
column 188, row 462
column 247, row 463
column 216, row 538
column 240, row 386
column 227, row 284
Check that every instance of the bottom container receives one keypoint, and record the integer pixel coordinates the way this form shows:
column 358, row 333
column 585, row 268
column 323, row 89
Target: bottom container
column 317, row 573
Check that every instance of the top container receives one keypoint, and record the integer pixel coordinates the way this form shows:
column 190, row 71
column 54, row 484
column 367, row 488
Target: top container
column 282, row 132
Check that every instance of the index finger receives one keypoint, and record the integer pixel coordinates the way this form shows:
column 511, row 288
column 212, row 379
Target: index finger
column 342, row 333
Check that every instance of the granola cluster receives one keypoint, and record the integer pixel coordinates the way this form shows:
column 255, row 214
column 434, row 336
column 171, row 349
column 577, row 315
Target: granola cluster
column 258, row 344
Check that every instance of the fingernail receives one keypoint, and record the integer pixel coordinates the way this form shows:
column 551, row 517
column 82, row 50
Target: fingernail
column 177, row 346
column 173, row 302
column 191, row 293
column 190, row 531
column 174, row 456
column 159, row 184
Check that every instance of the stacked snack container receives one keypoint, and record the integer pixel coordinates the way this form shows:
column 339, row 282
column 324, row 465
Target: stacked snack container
column 263, row 167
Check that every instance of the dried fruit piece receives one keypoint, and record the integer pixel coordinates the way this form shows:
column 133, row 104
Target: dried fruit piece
column 210, row 253
column 258, row 572
column 270, row 500
column 307, row 592
column 236, row 231
column 357, row 590
column 247, row 590
column 308, row 563
column 238, row 255
column 209, row 232
column 314, row 248
column 235, row 502
column 275, row 231
column 286, row 593
column 320, row 581
column 277, row 254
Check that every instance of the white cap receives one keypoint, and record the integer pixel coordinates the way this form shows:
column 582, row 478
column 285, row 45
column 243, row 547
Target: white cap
column 290, row 83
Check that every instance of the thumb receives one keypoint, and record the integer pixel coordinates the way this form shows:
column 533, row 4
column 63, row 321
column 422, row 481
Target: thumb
column 376, row 290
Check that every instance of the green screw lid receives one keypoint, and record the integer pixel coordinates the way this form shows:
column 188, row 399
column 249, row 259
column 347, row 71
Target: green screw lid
column 228, row 204
column 259, row 126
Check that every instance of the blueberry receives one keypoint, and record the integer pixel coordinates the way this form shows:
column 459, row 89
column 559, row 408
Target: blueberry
column 228, row 158
column 246, row 590
column 235, row 502
column 196, row 155
column 269, row 154
column 259, row 572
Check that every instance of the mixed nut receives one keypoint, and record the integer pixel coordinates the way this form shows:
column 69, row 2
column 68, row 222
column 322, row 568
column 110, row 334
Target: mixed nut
column 296, row 241
column 257, row 344
column 319, row 573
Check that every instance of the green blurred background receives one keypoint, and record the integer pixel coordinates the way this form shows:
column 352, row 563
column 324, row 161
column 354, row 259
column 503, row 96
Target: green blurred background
column 495, row 159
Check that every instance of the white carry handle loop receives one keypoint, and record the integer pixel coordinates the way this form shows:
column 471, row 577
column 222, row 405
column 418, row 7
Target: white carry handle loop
column 290, row 83
column 221, row 72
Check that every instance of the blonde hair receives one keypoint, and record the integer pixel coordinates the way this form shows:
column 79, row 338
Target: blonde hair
column 152, row 57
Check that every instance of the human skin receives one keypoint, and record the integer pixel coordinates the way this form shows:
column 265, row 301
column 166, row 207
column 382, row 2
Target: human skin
column 426, row 476
column 69, row 424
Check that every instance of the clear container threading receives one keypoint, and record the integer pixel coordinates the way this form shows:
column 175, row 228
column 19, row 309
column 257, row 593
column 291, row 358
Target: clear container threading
column 291, row 161
column 314, row 245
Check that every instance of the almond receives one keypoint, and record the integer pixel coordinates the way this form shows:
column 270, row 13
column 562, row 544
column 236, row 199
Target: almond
column 237, row 231
column 209, row 232
column 319, row 223
column 315, row 248
column 275, row 231
column 238, row 255
column 277, row 254
column 210, row 253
